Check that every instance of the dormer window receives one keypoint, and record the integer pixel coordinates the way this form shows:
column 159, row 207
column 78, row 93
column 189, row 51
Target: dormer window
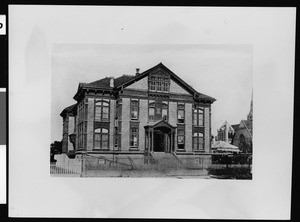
column 159, row 84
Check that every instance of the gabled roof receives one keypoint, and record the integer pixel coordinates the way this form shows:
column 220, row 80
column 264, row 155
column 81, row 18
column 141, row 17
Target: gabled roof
column 127, row 80
column 235, row 126
column 173, row 76
column 159, row 123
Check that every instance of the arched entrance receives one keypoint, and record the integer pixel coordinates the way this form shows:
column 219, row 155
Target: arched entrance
column 162, row 141
column 160, row 137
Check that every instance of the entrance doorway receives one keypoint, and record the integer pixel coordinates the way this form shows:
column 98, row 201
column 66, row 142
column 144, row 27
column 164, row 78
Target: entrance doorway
column 162, row 140
column 159, row 141
column 160, row 137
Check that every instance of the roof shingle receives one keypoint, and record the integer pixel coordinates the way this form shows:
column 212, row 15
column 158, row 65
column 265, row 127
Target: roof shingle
column 105, row 82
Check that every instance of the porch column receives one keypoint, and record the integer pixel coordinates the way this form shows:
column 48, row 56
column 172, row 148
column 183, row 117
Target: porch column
column 172, row 142
column 146, row 141
column 152, row 135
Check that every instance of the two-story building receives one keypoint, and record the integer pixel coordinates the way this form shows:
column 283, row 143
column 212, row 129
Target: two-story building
column 152, row 111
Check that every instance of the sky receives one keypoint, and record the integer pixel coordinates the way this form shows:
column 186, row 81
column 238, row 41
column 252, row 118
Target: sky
column 221, row 71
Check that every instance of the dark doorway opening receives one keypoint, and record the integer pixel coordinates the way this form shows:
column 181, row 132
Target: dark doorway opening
column 159, row 141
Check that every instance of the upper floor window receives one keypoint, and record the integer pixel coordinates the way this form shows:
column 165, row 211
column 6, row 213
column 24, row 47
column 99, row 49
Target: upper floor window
column 180, row 112
column 159, row 84
column 82, row 111
column 134, row 108
column 102, row 110
column 198, row 117
column 152, row 84
column 164, row 111
column 165, row 87
column 82, row 135
column 158, row 110
column 151, row 110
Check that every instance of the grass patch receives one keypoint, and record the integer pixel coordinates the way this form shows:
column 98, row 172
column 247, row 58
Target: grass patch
column 231, row 173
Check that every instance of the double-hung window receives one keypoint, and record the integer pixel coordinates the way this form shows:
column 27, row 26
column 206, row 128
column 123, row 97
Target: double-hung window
column 134, row 135
column 134, row 109
column 152, row 83
column 180, row 138
column 102, row 110
column 159, row 84
column 166, row 84
column 198, row 117
column 101, row 138
column 151, row 110
column 198, row 141
column 165, row 111
column 180, row 112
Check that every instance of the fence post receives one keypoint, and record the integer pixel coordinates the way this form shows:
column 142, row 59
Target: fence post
column 81, row 173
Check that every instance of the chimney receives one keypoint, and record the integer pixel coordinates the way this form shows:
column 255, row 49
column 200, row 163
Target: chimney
column 111, row 83
column 137, row 71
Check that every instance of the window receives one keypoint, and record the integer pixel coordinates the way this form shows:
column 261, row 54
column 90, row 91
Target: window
column 159, row 84
column 151, row 110
column 134, row 108
column 166, row 84
column 180, row 112
column 165, row 114
column 165, row 111
column 101, row 138
column 134, row 133
column 158, row 110
column 198, row 141
column 102, row 110
column 81, row 127
column 198, row 117
column 152, row 83
column 151, row 114
column 180, row 139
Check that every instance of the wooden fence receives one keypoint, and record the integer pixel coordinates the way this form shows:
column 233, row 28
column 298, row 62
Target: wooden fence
column 66, row 169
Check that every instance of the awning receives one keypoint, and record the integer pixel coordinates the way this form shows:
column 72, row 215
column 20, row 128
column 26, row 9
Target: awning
column 224, row 146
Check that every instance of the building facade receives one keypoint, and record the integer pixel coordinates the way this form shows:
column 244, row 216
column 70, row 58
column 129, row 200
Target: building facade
column 153, row 111
column 243, row 136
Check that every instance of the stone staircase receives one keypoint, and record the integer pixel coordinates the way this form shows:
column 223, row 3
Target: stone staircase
column 165, row 161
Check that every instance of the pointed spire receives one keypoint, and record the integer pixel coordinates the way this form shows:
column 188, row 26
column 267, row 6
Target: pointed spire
column 250, row 115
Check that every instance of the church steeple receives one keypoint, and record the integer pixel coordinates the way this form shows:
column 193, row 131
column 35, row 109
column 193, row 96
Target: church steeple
column 250, row 115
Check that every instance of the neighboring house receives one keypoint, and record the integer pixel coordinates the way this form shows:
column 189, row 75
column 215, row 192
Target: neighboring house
column 153, row 111
column 225, row 133
column 243, row 132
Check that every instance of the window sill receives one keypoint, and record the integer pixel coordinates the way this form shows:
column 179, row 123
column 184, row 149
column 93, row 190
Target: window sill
column 181, row 150
column 99, row 149
column 134, row 149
